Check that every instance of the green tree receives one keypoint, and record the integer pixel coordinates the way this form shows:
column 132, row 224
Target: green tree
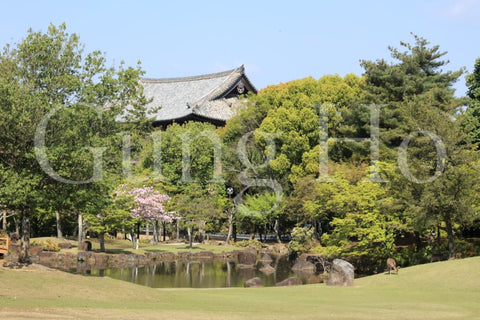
column 190, row 152
column 294, row 118
column 303, row 240
column 262, row 211
column 50, row 89
column 471, row 121
column 364, row 224
column 197, row 205
column 419, row 117
column 416, row 71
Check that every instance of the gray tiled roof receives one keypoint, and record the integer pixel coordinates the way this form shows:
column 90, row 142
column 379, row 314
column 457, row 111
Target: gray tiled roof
column 203, row 96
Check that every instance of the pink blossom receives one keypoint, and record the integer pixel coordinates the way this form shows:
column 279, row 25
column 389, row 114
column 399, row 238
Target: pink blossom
column 149, row 205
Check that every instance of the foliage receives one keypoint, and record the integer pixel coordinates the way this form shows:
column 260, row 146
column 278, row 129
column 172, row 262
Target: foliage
column 440, row 185
column 259, row 210
column 415, row 73
column 196, row 206
column 363, row 221
column 48, row 245
column 253, row 243
column 58, row 106
column 186, row 152
column 471, row 120
column 271, row 153
column 294, row 115
column 302, row 240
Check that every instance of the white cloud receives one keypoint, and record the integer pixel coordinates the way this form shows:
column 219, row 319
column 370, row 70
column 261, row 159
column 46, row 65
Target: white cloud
column 461, row 10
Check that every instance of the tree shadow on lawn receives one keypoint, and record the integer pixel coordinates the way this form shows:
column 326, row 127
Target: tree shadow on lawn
column 127, row 251
column 175, row 248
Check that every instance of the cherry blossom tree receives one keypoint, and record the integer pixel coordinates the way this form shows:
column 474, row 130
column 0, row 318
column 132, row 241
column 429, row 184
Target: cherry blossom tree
column 149, row 206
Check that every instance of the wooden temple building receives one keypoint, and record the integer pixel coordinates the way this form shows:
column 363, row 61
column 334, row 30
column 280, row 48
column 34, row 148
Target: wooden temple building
column 212, row 98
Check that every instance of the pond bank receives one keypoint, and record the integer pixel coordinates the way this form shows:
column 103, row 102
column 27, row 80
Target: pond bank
column 87, row 260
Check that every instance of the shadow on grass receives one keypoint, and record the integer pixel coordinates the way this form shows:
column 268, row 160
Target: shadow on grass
column 153, row 250
column 174, row 248
column 113, row 251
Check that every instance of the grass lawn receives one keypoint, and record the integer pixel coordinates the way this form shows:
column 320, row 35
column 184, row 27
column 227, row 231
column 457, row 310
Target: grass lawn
column 442, row 290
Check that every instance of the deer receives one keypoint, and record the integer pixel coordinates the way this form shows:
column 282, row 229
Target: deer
column 392, row 265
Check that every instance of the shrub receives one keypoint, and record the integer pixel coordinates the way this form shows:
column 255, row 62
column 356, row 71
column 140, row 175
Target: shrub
column 302, row 240
column 48, row 245
column 249, row 244
column 467, row 248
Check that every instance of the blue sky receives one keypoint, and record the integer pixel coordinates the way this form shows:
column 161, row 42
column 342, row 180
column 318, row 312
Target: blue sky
column 277, row 41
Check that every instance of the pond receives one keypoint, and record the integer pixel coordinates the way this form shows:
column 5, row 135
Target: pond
column 198, row 274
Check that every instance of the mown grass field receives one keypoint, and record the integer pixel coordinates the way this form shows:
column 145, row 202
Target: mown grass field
column 442, row 290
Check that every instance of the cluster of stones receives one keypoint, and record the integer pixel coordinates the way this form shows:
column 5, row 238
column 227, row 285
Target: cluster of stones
column 340, row 272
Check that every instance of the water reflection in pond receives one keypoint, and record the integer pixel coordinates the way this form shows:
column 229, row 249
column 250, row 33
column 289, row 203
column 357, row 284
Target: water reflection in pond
column 199, row 274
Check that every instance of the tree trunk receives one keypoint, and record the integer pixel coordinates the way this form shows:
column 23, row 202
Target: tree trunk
column 134, row 240
column 437, row 242
column 277, row 232
column 164, row 228
column 137, row 241
column 190, row 237
column 317, row 229
column 101, row 239
column 234, row 231
column 59, row 226
column 25, row 238
column 177, row 228
column 155, row 232
column 201, row 231
column 452, row 250
column 252, row 231
column 17, row 225
column 80, row 229
column 4, row 221
column 230, row 226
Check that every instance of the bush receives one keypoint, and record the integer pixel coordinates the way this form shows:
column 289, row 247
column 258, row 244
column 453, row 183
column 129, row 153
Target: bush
column 249, row 244
column 412, row 255
column 302, row 240
column 48, row 245
column 467, row 249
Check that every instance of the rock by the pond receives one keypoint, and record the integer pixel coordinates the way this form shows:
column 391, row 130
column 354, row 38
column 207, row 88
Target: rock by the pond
column 305, row 266
column 85, row 246
column 47, row 257
column 266, row 259
column 64, row 245
column 247, row 257
column 35, row 250
column 85, row 256
column 253, row 283
column 205, row 255
column 292, row 281
column 341, row 273
column 267, row 269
